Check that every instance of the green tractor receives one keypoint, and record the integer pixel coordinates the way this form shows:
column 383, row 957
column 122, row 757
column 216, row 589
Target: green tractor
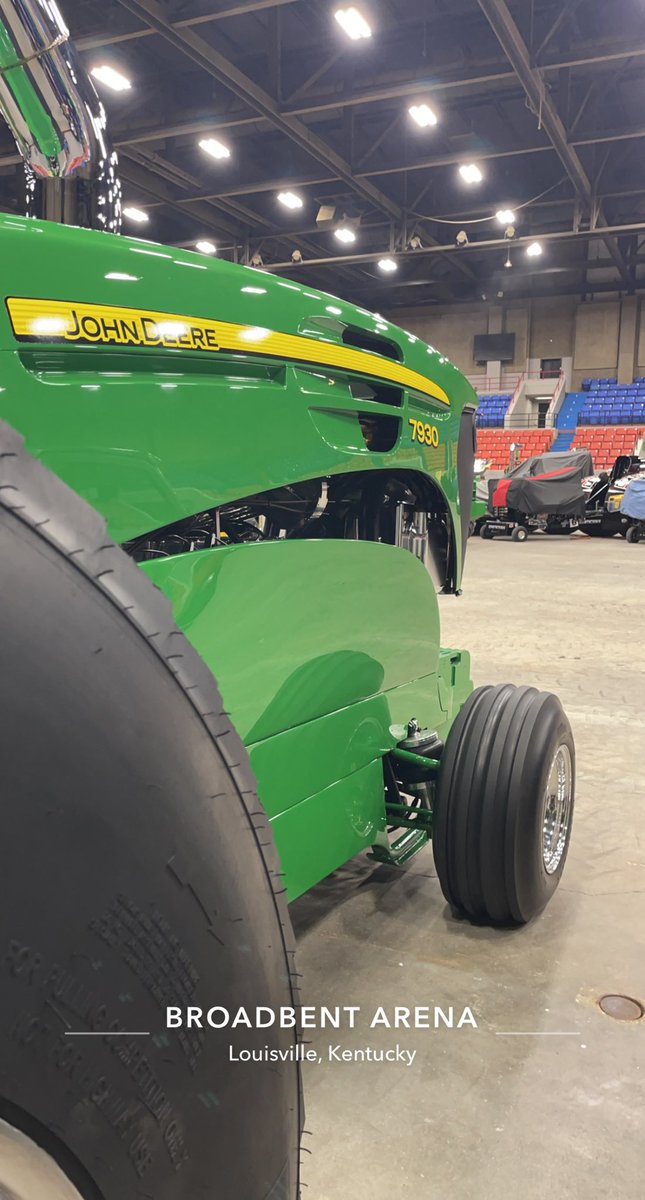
column 207, row 472
column 295, row 475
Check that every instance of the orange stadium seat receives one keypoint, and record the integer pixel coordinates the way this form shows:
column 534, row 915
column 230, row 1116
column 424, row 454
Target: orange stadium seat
column 606, row 442
column 495, row 444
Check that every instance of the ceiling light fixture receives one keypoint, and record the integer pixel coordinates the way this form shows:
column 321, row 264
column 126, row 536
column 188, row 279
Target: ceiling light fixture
column 290, row 200
column 353, row 23
column 214, row 148
column 534, row 250
column 423, row 115
column 345, row 234
column 206, row 247
column 505, row 216
column 387, row 265
column 136, row 214
column 470, row 173
column 111, row 78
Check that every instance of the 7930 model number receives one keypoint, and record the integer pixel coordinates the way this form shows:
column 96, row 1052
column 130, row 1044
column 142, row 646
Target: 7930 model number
column 427, row 434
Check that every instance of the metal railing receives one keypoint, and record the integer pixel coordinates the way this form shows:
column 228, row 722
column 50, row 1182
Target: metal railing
column 487, row 385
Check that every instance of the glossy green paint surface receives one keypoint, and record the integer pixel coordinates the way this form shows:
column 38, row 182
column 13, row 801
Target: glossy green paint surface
column 149, row 435
column 323, row 650
column 299, row 629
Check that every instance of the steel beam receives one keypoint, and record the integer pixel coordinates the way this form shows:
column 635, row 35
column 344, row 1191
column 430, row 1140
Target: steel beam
column 275, row 185
column 94, row 41
column 158, row 165
column 208, row 218
column 564, row 268
column 371, row 96
column 422, row 164
column 565, row 235
column 219, row 67
column 513, row 45
column 567, row 10
column 525, row 292
column 314, row 76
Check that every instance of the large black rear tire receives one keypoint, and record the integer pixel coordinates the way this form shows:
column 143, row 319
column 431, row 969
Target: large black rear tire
column 138, row 871
column 499, row 845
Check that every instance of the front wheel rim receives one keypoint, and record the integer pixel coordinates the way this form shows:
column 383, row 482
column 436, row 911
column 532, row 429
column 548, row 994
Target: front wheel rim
column 27, row 1172
column 558, row 803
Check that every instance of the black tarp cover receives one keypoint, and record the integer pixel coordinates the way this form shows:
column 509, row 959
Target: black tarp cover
column 548, row 483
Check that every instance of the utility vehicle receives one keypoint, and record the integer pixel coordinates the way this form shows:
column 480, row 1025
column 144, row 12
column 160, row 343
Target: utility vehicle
column 543, row 494
column 603, row 515
column 558, row 494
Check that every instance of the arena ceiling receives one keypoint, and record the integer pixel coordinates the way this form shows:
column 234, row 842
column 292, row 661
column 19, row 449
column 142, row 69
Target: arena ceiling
column 545, row 97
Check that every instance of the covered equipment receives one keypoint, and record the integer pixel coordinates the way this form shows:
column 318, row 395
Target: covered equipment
column 548, row 483
column 633, row 504
column 633, row 508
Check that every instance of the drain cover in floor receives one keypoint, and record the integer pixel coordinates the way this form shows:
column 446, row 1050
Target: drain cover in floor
column 622, row 1008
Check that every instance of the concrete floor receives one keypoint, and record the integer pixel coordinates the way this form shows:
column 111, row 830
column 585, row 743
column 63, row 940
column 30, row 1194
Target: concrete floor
column 480, row 1116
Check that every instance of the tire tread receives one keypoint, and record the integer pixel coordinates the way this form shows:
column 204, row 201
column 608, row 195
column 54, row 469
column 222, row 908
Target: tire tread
column 31, row 493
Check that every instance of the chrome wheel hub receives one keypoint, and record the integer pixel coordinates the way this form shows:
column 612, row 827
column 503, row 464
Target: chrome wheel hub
column 557, row 809
column 27, row 1172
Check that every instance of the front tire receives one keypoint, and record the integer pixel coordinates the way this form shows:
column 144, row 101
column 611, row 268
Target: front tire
column 519, row 534
column 504, row 804
column 138, row 872
column 633, row 534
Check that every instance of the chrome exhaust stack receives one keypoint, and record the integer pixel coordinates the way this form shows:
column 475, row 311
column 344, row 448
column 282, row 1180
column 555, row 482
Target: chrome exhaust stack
column 51, row 106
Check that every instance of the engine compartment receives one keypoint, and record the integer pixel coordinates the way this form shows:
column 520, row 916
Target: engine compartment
column 397, row 508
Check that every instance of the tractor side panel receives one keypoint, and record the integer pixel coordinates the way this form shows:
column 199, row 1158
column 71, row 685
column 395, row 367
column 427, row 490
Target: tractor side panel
column 323, row 650
column 149, row 439
column 295, row 630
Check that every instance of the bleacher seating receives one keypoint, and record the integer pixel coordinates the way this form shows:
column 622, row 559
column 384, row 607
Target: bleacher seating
column 610, row 420
column 495, row 444
column 607, row 442
column 590, row 384
column 493, row 409
column 605, row 402
column 617, row 407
